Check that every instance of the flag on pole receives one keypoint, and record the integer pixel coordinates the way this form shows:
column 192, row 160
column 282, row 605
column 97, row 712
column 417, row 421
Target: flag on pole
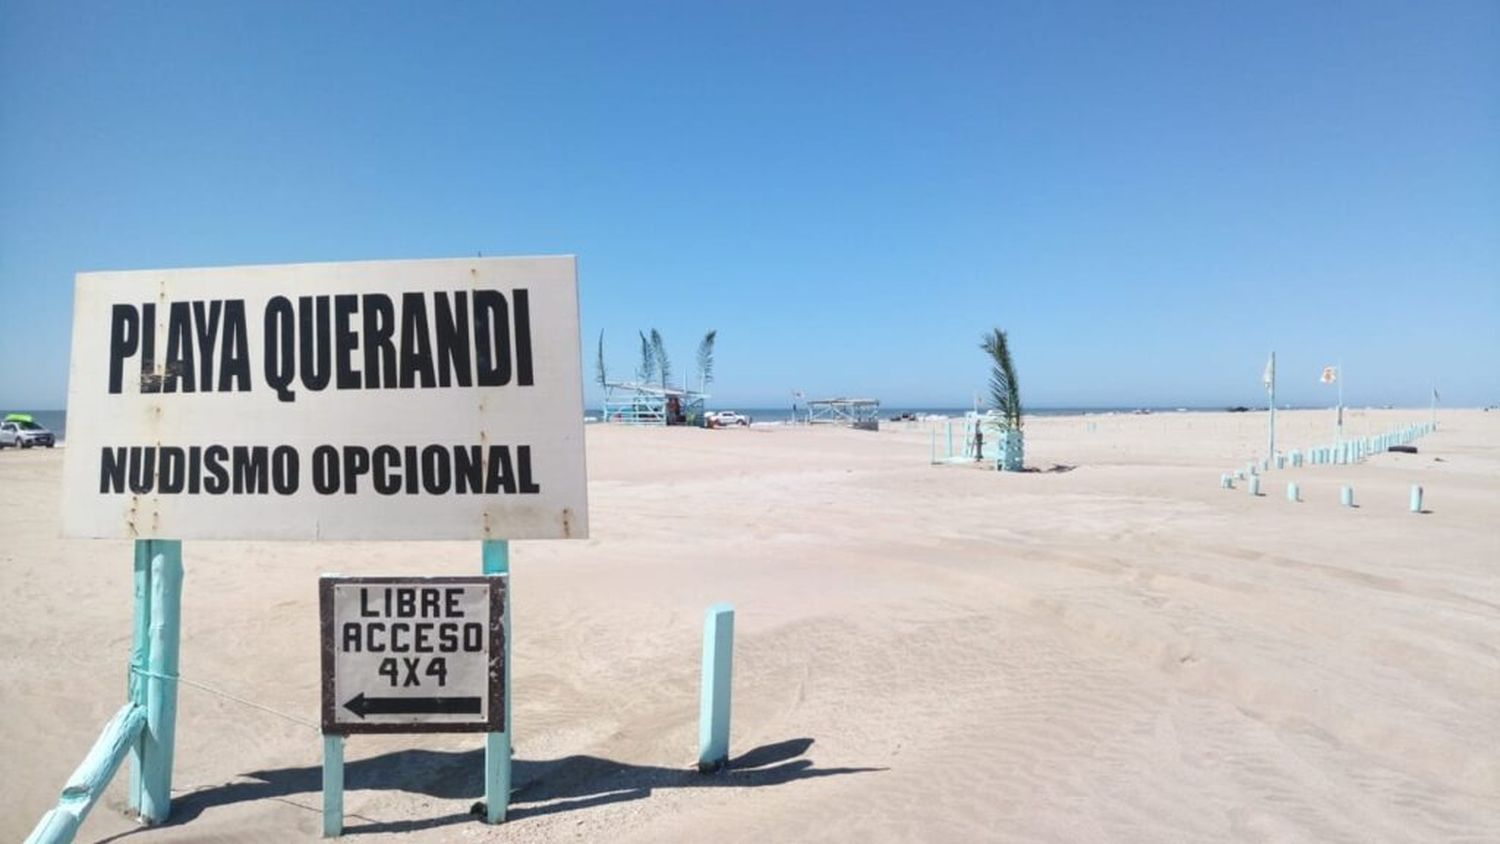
column 1269, row 376
column 1435, row 395
column 1330, row 374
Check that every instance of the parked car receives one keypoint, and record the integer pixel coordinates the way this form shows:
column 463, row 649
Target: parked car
column 725, row 418
column 21, row 431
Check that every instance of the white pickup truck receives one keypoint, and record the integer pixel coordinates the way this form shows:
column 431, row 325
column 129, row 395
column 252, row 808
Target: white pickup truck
column 725, row 418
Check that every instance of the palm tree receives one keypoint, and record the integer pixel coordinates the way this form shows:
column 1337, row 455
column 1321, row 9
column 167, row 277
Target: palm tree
column 706, row 360
column 1005, row 389
column 659, row 352
column 646, row 372
column 599, row 373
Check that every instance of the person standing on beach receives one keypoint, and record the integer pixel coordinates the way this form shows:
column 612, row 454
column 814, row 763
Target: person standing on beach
column 978, row 443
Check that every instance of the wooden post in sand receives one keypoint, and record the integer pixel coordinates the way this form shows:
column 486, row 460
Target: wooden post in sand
column 165, row 640
column 333, row 785
column 1346, row 496
column 497, row 746
column 1254, row 486
column 140, row 656
column 1416, row 498
column 1292, row 493
column 714, row 698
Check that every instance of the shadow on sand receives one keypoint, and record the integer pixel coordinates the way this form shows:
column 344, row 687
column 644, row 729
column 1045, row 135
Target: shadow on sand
column 543, row 787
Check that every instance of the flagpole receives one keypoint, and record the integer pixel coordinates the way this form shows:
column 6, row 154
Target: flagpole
column 1434, row 406
column 1271, row 455
column 1338, row 374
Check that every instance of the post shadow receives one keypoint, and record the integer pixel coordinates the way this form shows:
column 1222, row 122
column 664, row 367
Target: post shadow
column 544, row 786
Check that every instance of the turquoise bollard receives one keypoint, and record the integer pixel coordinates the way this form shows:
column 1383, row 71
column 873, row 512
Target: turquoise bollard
column 1416, row 498
column 714, row 697
column 1346, row 496
column 1254, row 485
column 1226, row 481
column 1292, row 493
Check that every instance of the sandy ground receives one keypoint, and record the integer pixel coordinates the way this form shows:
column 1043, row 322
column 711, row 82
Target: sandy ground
column 1123, row 652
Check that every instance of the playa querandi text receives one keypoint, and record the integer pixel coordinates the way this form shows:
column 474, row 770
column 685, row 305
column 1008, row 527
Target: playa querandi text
column 431, row 399
column 331, row 470
column 370, row 341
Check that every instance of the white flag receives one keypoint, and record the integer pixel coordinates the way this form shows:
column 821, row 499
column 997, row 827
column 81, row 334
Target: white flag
column 1269, row 376
column 1330, row 374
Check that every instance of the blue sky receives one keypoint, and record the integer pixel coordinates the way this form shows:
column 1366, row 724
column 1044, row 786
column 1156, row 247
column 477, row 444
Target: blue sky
column 1148, row 196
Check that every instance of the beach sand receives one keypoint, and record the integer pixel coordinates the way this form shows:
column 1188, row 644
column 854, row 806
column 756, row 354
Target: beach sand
column 1121, row 652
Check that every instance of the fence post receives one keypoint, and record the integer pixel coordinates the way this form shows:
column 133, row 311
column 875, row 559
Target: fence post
column 165, row 640
column 140, row 661
column 498, row 746
column 333, row 786
column 714, row 697
column 1416, row 498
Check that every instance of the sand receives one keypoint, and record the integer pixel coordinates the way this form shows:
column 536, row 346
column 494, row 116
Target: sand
column 1122, row 652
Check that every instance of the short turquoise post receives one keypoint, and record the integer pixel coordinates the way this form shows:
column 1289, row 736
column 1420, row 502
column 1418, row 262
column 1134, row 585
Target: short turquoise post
column 1254, row 485
column 140, row 658
column 1346, row 496
column 165, row 639
column 497, row 746
column 333, row 786
column 718, row 670
column 1292, row 493
column 1226, row 481
column 1416, row 498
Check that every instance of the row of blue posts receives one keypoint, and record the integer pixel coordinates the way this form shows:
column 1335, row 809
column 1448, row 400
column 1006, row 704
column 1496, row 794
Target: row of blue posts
column 1294, row 492
column 1356, row 450
column 1342, row 452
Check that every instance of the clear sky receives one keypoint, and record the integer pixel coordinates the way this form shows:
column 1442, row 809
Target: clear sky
column 1148, row 196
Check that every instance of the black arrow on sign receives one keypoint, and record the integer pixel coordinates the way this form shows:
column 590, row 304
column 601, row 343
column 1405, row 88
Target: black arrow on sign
column 362, row 706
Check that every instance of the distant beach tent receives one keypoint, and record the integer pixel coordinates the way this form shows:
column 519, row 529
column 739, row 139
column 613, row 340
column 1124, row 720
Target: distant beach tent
column 633, row 403
column 856, row 413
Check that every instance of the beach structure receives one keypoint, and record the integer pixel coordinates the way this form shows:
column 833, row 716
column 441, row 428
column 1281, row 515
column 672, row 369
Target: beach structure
column 1000, row 444
column 1005, row 393
column 863, row 414
column 632, row 403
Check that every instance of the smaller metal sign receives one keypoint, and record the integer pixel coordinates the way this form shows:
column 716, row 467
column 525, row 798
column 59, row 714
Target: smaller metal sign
column 413, row 654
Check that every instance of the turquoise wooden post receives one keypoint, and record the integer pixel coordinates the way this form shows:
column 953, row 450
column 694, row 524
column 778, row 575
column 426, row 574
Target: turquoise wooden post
column 1346, row 496
column 1416, row 498
column 714, row 697
column 1226, row 481
column 1292, row 493
column 165, row 640
column 1254, row 486
column 92, row 776
column 140, row 659
column 333, row 786
column 497, row 746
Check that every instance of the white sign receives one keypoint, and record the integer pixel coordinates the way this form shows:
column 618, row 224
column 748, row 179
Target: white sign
column 408, row 655
column 383, row 400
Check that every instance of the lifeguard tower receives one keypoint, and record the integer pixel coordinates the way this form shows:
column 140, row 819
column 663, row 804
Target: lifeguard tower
column 631, row 403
